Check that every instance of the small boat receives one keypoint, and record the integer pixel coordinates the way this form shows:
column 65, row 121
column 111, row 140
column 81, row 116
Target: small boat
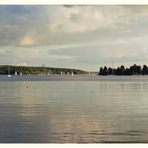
column 9, row 72
column 15, row 73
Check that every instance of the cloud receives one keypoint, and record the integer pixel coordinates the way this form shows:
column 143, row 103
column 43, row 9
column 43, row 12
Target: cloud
column 22, row 64
column 27, row 41
column 73, row 36
column 59, row 24
column 87, row 18
column 17, row 21
column 97, row 54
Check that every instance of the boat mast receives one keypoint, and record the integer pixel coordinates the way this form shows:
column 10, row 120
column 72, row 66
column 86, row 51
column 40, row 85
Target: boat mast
column 112, row 68
column 8, row 70
column 15, row 71
column 44, row 69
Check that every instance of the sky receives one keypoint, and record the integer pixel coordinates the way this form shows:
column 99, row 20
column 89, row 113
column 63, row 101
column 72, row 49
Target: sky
column 74, row 36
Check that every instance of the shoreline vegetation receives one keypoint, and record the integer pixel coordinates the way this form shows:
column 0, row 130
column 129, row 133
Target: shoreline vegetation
column 42, row 70
column 122, row 71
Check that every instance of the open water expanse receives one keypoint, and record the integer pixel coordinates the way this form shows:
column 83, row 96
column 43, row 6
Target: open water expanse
column 104, row 109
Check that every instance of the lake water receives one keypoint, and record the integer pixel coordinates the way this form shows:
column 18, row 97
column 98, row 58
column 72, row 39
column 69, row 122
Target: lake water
column 74, row 111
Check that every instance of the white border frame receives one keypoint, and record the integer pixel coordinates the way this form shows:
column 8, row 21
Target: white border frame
column 74, row 2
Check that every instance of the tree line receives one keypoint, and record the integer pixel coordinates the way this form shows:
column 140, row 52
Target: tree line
column 26, row 70
column 121, row 70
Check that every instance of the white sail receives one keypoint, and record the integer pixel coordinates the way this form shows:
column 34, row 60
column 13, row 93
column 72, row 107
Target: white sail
column 9, row 72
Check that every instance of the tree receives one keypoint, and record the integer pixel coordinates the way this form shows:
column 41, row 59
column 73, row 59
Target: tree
column 110, row 71
column 103, row 71
column 122, row 69
column 127, row 71
column 144, row 70
column 100, row 71
column 133, row 70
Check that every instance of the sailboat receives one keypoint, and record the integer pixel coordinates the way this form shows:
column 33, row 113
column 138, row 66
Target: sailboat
column 16, row 73
column 9, row 72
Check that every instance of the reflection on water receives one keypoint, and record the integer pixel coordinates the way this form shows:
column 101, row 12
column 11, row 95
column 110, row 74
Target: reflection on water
column 74, row 112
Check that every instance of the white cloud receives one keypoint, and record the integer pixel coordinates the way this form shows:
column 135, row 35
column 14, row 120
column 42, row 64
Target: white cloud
column 22, row 64
column 87, row 18
column 59, row 57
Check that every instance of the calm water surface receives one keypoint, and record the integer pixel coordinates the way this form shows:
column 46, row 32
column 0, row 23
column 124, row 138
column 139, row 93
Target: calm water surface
column 74, row 111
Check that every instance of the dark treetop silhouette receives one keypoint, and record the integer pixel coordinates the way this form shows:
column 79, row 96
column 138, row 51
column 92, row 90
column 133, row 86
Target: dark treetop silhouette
column 132, row 70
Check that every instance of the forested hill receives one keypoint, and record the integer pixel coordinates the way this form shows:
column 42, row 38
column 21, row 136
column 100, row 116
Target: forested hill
column 121, row 70
column 26, row 70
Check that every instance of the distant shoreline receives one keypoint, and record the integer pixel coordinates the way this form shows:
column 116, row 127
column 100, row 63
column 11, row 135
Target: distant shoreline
column 73, row 78
column 38, row 70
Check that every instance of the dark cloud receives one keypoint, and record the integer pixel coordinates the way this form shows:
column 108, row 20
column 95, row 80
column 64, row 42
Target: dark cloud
column 68, row 6
column 15, row 9
column 17, row 21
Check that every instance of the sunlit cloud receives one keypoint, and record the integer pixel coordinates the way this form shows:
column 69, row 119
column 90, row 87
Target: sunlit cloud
column 27, row 41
